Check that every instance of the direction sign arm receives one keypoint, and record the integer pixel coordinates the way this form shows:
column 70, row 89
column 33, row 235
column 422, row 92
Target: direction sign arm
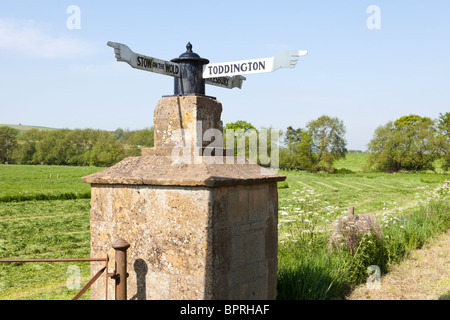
column 226, row 82
column 123, row 52
column 236, row 81
column 139, row 61
column 287, row 59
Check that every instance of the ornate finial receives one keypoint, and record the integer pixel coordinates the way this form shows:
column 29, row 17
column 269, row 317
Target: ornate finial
column 189, row 47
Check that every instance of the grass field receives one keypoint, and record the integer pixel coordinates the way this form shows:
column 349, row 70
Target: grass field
column 352, row 161
column 20, row 183
column 44, row 213
column 48, row 217
column 411, row 208
column 368, row 192
column 42, row 230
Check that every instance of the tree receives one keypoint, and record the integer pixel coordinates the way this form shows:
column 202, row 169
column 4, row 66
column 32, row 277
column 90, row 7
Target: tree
column 260, row 146
column 26, row 146
column 119, row 133
column 306, row 158
column 292, row 137
column 80, row 143
column 106, row 151
column 288, row 160
column 134, row 141
column 52, row 148
column 328, row 141
column 240, row 125
column 444, row 136
column 409, row 143
column 8, row 141
column 444, row 124
column 241, row 131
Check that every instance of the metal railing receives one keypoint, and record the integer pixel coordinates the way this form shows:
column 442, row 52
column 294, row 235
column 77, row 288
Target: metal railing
column 119, row 274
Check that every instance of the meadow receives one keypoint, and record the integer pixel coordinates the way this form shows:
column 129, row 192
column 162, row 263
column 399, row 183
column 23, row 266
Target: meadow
column 44, row 213
column 409, row 209
column 26, row 182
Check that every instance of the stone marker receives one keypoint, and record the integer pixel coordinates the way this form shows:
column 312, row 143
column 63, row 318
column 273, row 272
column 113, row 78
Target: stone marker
column 198, row 229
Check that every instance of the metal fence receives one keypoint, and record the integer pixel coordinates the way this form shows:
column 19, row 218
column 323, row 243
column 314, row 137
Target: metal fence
column 119, row 274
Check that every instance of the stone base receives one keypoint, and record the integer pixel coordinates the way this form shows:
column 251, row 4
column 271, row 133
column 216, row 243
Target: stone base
column 197, row 230
column 189, row 243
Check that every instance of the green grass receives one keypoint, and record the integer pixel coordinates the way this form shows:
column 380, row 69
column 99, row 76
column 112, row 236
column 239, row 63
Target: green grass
column 42, row 230
column 369, row 192
column 309, row 204
column 32, row 228
column 405, row 205
column 26, row 182
column 357, row 161
column 352, row 161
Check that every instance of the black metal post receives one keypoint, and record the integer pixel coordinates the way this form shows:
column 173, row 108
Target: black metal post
column 191, row 81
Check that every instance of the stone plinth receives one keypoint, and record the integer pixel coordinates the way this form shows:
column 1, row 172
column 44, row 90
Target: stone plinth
column 197, row 230
column 184, row 114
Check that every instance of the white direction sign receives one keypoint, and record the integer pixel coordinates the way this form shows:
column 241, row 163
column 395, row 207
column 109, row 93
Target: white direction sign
column 139, row 61
column 286, row 59
column 223, row 74
column 142, row 62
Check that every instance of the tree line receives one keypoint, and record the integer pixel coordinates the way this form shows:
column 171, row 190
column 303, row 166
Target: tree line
column 411, row 143
column 312, row 149
column 78, row 147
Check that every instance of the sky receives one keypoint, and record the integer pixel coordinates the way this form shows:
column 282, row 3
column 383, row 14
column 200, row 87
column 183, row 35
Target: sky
column 368, row 62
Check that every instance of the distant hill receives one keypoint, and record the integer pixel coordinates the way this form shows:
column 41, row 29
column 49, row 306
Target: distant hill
column 23, row 128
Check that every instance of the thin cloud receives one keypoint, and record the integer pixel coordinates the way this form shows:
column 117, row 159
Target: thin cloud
column 24, row 36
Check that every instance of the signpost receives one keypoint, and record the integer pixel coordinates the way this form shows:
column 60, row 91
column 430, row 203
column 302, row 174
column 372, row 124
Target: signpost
column 139, row 61
column 142, row 62
column 172, row 212
column 224, row 74
column 286, row 59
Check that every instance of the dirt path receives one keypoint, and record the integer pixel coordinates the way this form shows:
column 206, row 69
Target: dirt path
column 425, row 275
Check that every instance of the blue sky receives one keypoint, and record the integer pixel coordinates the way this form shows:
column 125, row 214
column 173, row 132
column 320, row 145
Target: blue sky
column 68, row 78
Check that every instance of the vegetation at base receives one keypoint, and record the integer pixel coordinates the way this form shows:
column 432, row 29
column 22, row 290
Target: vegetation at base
column 308, row 269
column 409, row 208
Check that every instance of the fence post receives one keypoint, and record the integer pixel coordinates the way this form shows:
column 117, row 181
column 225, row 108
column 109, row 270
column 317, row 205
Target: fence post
column 120, row 246
column 351, row 212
